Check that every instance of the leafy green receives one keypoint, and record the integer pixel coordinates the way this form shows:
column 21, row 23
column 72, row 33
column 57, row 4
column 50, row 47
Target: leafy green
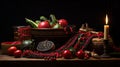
column 32, row 23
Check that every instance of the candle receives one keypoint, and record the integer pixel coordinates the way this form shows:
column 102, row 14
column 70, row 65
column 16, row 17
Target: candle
column 106, row 28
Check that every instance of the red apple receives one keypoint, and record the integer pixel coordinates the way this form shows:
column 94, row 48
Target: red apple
column 67, row 54
column 11, row 50
column 44, row 24
column 17, row 53
column 63, row 22
column 80, row 54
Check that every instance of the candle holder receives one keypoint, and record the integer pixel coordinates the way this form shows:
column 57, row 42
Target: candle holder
column 106, row 49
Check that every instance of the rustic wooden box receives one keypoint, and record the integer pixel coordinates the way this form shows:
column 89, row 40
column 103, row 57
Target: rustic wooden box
column 58, row 36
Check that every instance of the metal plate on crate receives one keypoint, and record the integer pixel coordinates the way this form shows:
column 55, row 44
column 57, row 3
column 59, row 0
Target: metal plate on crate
column 45, row 45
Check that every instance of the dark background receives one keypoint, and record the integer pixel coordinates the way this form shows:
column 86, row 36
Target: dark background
column 93, row 12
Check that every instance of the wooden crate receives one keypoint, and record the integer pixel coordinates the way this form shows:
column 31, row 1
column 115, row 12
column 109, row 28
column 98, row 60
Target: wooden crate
column 58, row 36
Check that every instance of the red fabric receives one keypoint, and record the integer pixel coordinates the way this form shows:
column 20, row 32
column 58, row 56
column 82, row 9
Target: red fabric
column 12, row 43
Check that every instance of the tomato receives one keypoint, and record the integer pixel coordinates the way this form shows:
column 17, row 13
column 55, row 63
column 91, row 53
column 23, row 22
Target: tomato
column 63, row 22
column 44, row 24
column 11, row 50
column 17, row 53
column 67, row 54
column 80, row 54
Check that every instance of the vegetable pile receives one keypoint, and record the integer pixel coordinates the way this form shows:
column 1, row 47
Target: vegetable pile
column 43, row 22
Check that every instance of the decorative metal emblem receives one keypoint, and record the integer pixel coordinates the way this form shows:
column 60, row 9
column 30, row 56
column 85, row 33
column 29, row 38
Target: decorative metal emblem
column 45, row 45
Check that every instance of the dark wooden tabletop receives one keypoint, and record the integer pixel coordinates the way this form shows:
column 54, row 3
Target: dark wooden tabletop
column 60, row 62
column 101, row 62
column 12, row 58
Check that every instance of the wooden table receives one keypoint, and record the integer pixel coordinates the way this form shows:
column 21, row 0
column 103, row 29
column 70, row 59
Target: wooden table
column 27, row 62
column 11, row 58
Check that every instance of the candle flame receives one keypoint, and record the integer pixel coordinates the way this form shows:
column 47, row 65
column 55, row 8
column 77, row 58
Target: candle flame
column 106, row 19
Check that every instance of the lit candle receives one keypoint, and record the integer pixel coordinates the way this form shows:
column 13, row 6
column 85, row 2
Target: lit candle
column 106, row 28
